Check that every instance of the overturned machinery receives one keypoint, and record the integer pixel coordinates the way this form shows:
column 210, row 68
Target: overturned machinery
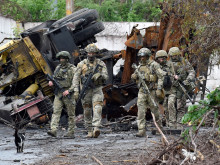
column 25, row 62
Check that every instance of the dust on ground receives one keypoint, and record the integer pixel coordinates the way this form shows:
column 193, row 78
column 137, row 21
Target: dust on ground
column 111, row 147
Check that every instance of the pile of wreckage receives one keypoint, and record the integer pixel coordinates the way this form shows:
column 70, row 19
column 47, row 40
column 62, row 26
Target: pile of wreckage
column 25, row 62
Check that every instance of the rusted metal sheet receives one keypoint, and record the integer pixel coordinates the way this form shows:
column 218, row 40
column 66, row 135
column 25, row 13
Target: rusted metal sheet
column 135, row 40
column 151, row 37
column 130, row 58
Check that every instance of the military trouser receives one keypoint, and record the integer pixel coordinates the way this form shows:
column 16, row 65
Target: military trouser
column 170, row 109
column 181, row 108
column 143, row 103
column 58, row 106
column 92, row 105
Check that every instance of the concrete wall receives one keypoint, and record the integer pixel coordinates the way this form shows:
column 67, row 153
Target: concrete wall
column 115, row 34
column 6, row 28
column 112, row 38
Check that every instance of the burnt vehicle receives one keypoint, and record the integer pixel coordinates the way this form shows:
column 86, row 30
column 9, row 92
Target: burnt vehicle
column 25, row 62
column 121, row 94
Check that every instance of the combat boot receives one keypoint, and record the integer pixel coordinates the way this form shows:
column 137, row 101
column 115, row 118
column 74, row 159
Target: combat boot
column 69, row 135
column 141, row 133
column 96, row 132
column 52, row 133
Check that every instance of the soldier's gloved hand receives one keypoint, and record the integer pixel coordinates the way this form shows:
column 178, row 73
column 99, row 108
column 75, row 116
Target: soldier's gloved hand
column 186, row 82
column 76, row 95
column 159, row 94
column 96, row 76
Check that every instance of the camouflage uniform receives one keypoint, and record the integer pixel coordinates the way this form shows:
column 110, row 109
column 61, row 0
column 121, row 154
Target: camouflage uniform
column 153, row 75
column 93, row 100
column 186, row 74
column 170, row 98
column 63, row 74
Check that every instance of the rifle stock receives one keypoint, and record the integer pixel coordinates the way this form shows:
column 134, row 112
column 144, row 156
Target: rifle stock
column 87, row 83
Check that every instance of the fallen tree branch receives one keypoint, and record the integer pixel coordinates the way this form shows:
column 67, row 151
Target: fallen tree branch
column 122, row 120
column 197, row 129
column 158, row 128
column 158, row 157
column 98, row 161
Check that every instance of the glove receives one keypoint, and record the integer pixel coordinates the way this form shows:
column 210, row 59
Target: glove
column 186, row 82
column 160, row 94
column 96, row 76
column 76, row 95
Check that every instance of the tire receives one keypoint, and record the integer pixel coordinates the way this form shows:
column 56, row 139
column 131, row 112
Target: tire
column 58, row 22
column 88, row 32
column 89, row 15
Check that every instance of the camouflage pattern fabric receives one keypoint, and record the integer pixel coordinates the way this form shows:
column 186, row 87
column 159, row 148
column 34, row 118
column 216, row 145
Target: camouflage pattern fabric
column 93, row 101
column 153, row 76
column 64, row 76
column 185, row 71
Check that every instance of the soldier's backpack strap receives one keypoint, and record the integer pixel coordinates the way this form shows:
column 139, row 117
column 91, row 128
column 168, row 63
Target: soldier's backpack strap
column 57, row 70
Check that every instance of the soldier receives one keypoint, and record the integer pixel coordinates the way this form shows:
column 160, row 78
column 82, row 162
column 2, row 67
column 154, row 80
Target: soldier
column 63, row 74
column 170, row 98
column 153, row 76
column 183, row 74
column 93, row 100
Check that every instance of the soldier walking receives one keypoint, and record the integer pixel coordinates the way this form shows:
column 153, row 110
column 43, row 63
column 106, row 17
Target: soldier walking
column 170, row 97
column 93, row 100
column 183, row 74
column 63, row 74
column 149, row 71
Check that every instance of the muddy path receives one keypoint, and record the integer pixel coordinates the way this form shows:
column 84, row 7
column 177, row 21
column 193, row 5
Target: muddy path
column 111, row 147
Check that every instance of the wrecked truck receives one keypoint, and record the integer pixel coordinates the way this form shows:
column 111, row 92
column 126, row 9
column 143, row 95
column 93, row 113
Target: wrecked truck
column 25, row 62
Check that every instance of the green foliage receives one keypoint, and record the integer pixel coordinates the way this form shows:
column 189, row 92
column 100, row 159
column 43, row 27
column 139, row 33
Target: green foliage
column 130, row 11
column 196, row 113
column 16, row 32
column 109, row 10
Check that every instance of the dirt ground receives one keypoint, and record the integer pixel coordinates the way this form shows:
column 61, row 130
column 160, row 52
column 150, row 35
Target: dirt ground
column 111, row 147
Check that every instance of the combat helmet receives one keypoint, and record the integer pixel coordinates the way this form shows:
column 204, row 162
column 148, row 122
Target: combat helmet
column 144, row 52
column 161, row 53
column 64, row 54
column 92, row 48
column 174, row 51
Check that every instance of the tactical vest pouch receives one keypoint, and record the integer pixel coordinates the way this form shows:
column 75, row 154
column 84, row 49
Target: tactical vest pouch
column 64, row 83
column 167, row 83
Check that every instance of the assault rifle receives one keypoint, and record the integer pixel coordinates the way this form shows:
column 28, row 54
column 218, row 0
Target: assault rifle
column 181, row 86
column 87, row 83
column 146, row 89
column 57, row 86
